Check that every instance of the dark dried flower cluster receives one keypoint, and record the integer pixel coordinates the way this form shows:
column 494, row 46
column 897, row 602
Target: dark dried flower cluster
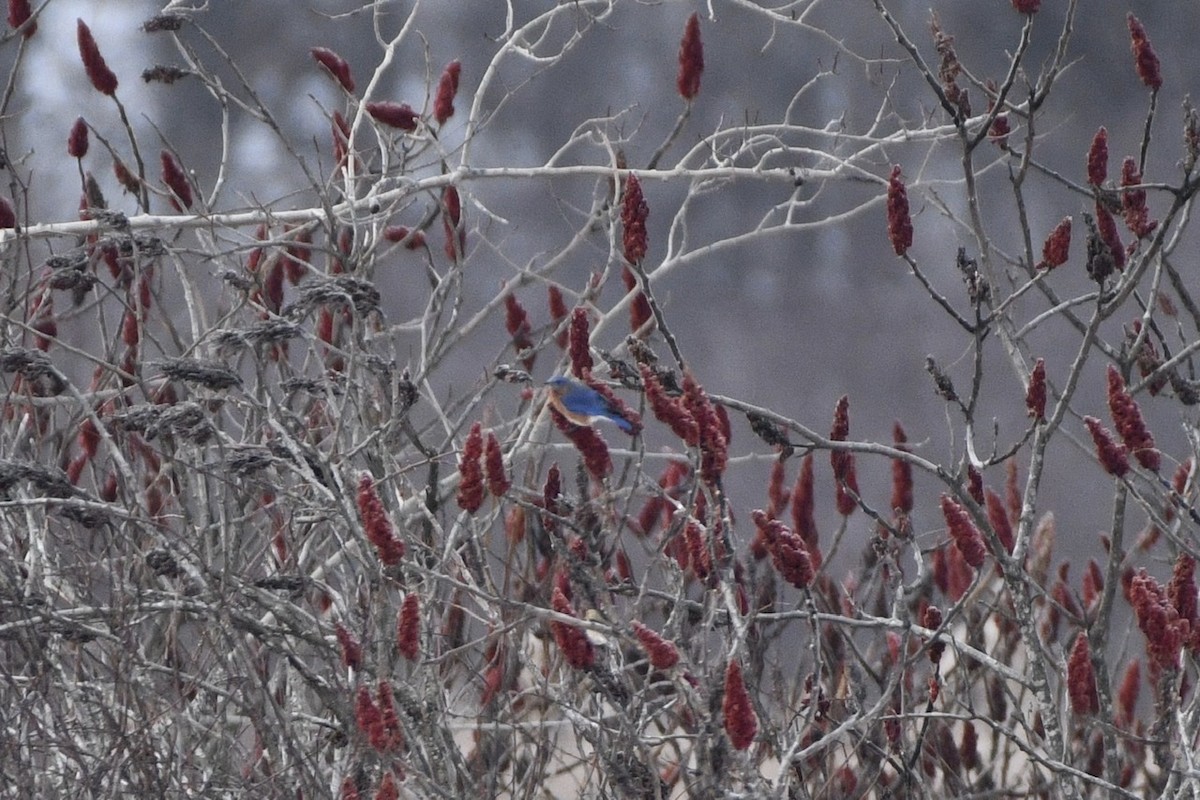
column 1166, row 632
column 175, row 179
column 443, row 104
column 77, row 140
column 949, row 69
column 1133, row 201
column 498, row 482
column 580, row 352
column 470, row 485
column 966, row 536
column 1182, row 594
column 845, row 474
column 1105, row 252
column 387, row 789
column 640, row 312
column 778, row 497
column 804, row 519
column 19, row 12
column 102, row 78
column 634, row 212
column 1035, row 395
column 1081, row 679
column 670, row 411
column 558, row 313
column 1000, row 129
column 408, row 627
column 551, row 492
column 452, row 224
column 656, row 505
column 902, row 474
column 516, row 322
column 399, row 234
column 932, row 619
column 336, row 65
column 395, row 115
column 1130, row 425
column 571, row 640
column 1027, row 6
column 1148, row 359
column 741, row 723
column 662, row 654
column 1112, row 455
column 691, row 59
column 1057, row 247
column 376, row 523
column 789, row 555
column 1144, row 59
column 998, row 518
column 1097, row 158
column 352, row 652
column 340, row 130
column 1127, row 694
column 711, row 432
column 900, row 229
column 588, row 442
column 379, row 723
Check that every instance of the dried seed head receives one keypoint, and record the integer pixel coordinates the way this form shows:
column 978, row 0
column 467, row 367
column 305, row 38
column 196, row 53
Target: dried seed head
column 443, row 104
column 397, row 115
column 576, row 647
column 1027, row 6
column 1112, row 455
column 19, row 13
column 998, row 517
column 77, row 141
column 336, row 65
column 516, row 322
column 97, row 71
column 581, row 356
column 1128, row 419
column 691, row 59
column 1159, row 620
column 470, row 486
column 1144, row 59
column 376, row 523
column 558, row 313
column 352, row 652
column 175, row 179
column 1035, row 395
column 1133, row 201
column 588, row 442
column 966, row 536
column 900, row 229
column 634, row 211
column 1097, row 158
column 1081, row 680
column 1057, row 247
column 902, row 475
column 408, row 627
column 662, row 653
column 497, row 477
column 741, row 723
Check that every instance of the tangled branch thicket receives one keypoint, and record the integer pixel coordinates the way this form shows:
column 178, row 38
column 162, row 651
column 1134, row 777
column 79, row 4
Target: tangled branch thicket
column 255, row 544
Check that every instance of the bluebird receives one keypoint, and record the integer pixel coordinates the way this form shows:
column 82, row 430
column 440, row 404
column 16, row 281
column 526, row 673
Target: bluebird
column 583, row 405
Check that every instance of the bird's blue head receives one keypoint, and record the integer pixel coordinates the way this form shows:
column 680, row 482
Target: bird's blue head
column 559, row 384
